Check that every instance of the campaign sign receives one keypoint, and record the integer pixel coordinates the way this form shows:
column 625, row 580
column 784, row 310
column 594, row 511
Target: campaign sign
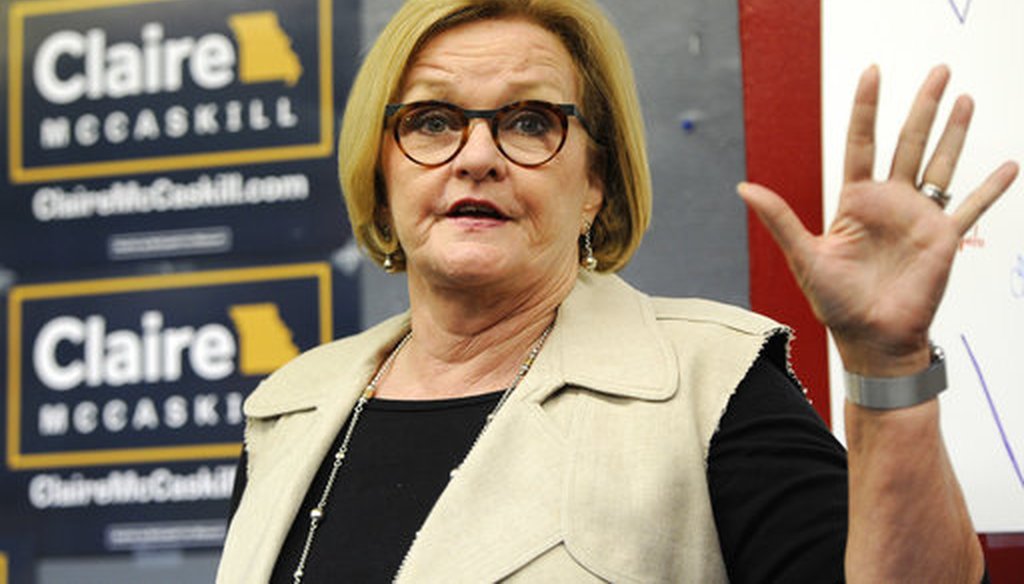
column 152, row 368
column 144, row 129
column 122, row 420
column 115, row 87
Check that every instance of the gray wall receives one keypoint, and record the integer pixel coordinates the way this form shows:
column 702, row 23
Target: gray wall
column 686, row 55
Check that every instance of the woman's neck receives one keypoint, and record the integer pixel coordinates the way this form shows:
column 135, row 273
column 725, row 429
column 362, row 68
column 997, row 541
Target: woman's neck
column 469, row 342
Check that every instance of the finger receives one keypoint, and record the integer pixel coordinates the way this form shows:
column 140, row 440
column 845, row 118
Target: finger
column 779, row 219
column 984, row 196
column 914, row 135
column 939, row 171
column 860, row 138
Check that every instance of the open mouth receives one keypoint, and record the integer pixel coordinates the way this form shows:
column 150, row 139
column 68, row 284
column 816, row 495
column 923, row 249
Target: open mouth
column 475, row 210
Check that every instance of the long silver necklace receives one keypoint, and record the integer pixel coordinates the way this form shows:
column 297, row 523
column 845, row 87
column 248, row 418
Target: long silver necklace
column 316, row 514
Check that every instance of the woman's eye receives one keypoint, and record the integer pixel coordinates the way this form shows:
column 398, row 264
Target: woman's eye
column 435, row 121
column 530, row 123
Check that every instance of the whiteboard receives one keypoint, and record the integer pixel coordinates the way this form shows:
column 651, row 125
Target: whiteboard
column 981, row 321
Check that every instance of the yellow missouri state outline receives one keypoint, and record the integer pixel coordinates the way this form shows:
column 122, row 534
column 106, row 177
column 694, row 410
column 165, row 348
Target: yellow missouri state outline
column 265, row 50
column 265, row 341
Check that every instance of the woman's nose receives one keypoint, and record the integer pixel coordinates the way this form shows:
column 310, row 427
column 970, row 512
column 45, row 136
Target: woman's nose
column 480, row 157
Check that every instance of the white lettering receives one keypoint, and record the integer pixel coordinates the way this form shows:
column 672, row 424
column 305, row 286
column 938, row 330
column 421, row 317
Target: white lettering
column 176, row 121
column 152, row 34
column 145, row 417
column 128, row 487
column 123, row 362
column 257, row 119
column 152, row 322
column 233, row 116
column 84, row 417
column 44, row 353
column 115, row 415
column 143, row 414
column 212, row 352
column 175, row 412
column 146, row 126
column 204, row 118
column 54, row 133
column 118, row 127
column 204, row 410
column 115, row 127
column 44, row 71
column 125, row 69
column 95, row 41
column 234, row 415
column 175, row 53
column 121, row 198
column 53, row 420
column 212, row 62
column 175, row 341
column 125, row 357
column 87, row 130
column 286, row 118
column 95, row 330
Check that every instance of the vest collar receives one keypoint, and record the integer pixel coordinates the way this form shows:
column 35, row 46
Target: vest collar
column 606, row 339
column 602, row 325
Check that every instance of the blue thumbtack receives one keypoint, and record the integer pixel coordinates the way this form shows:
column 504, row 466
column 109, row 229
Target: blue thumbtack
column 688, row 119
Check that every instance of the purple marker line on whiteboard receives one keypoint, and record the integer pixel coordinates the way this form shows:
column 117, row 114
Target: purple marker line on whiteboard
column 995, row 413
column 961, row 15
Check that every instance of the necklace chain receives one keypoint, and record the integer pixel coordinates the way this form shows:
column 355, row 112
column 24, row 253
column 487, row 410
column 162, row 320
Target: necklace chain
column 316, row 514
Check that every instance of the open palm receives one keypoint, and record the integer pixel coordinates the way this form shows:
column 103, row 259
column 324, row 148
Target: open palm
column 876, row 277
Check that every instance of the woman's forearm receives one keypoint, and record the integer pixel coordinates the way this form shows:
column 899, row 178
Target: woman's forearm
column 908, row 518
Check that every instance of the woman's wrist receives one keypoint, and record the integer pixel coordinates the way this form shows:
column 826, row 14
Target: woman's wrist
column 896, row 392
column 872, row 359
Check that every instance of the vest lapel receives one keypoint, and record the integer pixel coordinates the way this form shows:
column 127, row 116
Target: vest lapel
column 507, row 503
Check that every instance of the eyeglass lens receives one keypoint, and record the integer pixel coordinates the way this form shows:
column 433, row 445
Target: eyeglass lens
column 528, row 134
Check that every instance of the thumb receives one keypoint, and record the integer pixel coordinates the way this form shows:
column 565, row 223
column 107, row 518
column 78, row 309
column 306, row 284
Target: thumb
column 778, row 218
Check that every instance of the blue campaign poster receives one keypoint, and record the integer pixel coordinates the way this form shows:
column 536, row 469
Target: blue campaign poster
column 123, row 410
column 169, row 203
column 142, row 129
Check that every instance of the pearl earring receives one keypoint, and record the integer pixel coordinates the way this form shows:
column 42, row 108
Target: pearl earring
column 589, row 261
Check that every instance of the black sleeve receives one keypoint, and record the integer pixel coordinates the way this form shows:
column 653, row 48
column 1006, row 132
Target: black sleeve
column 778, row 485
column 777, row 479
column 240, row 481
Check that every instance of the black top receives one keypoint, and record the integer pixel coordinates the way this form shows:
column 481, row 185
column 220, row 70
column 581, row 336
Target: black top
column 777, row 480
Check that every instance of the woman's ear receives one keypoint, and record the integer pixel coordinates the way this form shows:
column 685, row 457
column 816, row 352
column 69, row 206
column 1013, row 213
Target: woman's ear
column 593, row 198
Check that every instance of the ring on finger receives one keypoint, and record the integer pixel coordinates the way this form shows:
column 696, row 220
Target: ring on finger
column 935, row 193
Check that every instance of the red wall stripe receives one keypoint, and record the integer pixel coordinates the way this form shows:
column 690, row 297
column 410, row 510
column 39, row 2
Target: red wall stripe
column 781, row 53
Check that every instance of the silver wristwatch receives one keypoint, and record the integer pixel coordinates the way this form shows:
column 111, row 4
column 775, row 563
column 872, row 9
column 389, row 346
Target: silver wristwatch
column 890, row 393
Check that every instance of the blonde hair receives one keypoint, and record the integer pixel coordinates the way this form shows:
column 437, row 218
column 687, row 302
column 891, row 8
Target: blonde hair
column 610, row 104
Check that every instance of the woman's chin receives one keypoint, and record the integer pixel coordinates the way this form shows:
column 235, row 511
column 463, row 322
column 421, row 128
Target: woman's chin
column 469, row 270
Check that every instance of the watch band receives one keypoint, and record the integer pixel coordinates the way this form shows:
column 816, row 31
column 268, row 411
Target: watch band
column 890, row 393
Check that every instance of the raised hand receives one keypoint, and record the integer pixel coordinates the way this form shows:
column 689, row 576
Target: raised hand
column 876, row 277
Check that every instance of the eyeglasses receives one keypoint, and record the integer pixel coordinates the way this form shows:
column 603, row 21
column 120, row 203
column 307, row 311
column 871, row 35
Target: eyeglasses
column 528, row 133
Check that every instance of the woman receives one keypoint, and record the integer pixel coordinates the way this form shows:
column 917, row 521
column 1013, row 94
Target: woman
column 533, row 418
